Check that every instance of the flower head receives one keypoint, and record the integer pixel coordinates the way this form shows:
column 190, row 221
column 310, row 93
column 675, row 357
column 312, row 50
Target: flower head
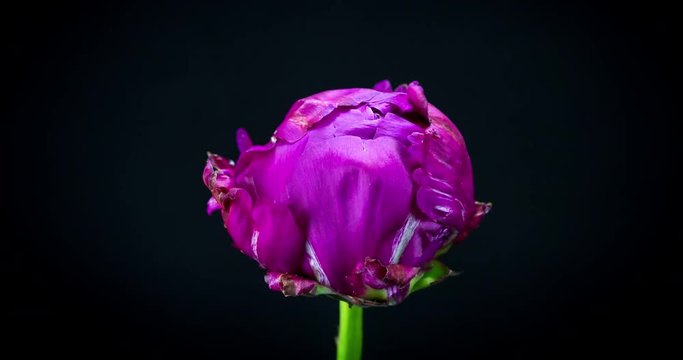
column 355, row 195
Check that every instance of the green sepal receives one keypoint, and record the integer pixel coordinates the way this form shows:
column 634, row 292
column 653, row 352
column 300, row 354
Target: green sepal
column 435, row 272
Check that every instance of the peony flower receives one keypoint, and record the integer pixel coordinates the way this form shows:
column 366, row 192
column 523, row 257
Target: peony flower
column 356, row 194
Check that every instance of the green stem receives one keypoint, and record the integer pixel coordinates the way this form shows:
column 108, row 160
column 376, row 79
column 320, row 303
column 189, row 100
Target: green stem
column 350, row 340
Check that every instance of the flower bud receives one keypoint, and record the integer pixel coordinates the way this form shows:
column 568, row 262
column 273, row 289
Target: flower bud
column 356, row 194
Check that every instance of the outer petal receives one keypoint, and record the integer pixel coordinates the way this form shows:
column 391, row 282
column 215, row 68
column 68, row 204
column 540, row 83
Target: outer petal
column 481, row 209
column 238, row 220
column 293, row 285
column 445, row 190
column 264, row 227
column 428, row 239
column 383, row 86
column 342, row 187
column 277, row 241
column 380, row 276
column 417, row 98
column 393, row 280
column 218, row 176
column 218, row 172
column 265, row 170
column 212, row 205
column 243, row 140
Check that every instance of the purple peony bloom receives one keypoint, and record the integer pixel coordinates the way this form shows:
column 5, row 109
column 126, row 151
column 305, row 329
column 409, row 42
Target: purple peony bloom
column 354, row 196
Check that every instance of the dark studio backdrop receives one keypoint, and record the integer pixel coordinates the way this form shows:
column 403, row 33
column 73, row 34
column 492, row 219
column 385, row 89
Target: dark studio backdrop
column 112, row 107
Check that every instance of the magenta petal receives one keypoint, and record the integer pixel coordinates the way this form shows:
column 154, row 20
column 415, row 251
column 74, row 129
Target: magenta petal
column 397, row 127
column 243, row 140
column 218, row 172
column 402, row 88
column 429, row 237
column 207, row 173
column 220, row 163
column 305, row 113
column 380, row 276
column 417, row 98
column 212, row 205
column 439, row 200
column 238, row 220
column 481, row 209
column 361, row 122
column 218, row 177
column 277, row 241
column 264, row 171
column 290, row 285
column 342, row 188
column 445, row 190
column 394, row 279
column 383, row 86
column 373, row 273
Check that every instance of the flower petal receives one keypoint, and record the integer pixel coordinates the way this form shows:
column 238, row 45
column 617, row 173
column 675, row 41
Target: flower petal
column 212, row 205
column 265, row 170
column 380, row 276
column 293, row 285
column 218, row 177
column 445, row 189
column 481, row 209
column 360, row 121
column 218, row 172
column 417, row 98
column 238, row 220
column 428, row 239
column 306, row 112
column 383, row 86
column 243, row 140
column 277, row 241
column 397, row 127
column 342, row 188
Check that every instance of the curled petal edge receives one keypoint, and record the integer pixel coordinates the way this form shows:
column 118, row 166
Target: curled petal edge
column 480, row 210
column 218, row 176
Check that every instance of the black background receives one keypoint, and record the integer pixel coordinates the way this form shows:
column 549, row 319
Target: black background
column 565, row 108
